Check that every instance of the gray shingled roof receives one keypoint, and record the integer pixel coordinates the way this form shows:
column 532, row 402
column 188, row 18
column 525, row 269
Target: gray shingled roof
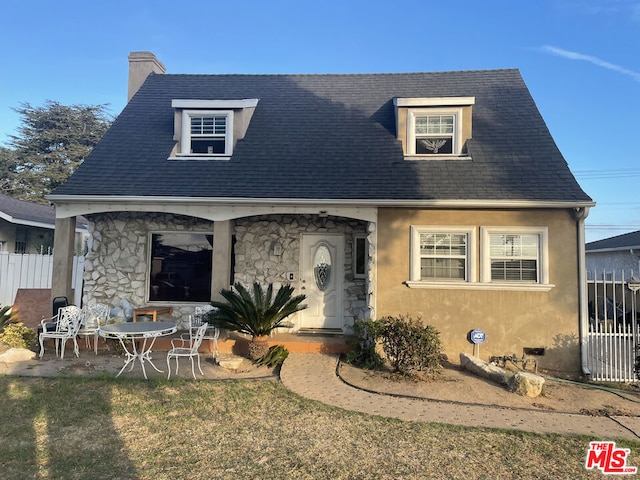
column 20, row 211
column 28, row 213
column 619, row 242
column 332, row 137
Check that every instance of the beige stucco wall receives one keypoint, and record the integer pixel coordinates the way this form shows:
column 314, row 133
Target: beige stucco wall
column 512, row 320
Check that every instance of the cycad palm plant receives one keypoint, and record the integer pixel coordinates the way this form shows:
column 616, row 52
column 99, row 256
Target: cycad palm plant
column 256, row 312
column 7, row 316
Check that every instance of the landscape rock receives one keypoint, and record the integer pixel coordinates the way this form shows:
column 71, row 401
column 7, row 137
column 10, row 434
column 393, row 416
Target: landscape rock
column 526, row 384
column 230, row 362
column 483, row 369
column 14, row 355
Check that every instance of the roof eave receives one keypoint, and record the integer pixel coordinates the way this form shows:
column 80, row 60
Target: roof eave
column 425, row 203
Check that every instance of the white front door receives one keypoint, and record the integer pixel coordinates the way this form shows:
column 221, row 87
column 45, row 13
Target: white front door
column 322, row 276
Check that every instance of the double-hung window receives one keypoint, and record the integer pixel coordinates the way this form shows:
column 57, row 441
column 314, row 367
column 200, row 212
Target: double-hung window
column 434, row 134
column 442, row 254
column 515, row 255
column 207, row 133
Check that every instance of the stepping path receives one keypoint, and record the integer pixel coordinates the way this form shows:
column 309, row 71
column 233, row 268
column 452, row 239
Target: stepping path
column 314, row 376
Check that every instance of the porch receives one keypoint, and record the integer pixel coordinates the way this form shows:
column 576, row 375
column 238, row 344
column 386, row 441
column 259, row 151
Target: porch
column 237, row 344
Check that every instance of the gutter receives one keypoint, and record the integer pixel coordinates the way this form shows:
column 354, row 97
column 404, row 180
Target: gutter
column 581, row 214
column 472, row 203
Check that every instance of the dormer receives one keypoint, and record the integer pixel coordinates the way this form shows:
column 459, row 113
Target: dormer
column 210, row 129
column 434, row 128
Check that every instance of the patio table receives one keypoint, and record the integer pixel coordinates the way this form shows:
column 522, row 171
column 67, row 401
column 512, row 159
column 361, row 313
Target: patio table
column 142, row 335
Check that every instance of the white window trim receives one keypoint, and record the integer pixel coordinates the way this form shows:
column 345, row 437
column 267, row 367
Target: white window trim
column 470, row 262
column 457, row 133
column 543, row 260
column 185, row 138
column 433, row 101
column 484, row 282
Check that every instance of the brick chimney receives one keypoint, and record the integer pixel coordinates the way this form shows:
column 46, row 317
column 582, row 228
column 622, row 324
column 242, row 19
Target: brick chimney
column 141, row 64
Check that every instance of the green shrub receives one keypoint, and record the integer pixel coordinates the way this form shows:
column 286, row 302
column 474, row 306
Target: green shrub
column 274, row 356
column 362, row 345
column 18, row 335
column 409, row 345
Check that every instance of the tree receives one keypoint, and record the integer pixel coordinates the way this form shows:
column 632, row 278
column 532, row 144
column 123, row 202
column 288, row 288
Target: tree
column 52, row 142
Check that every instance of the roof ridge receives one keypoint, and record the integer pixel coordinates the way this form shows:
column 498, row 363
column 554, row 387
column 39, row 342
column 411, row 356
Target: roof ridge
column 358, row 74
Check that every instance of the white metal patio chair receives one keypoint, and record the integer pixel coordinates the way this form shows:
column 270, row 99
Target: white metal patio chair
column 95, row 316
column 68, row 321
column 199, row 318
column 188, row 348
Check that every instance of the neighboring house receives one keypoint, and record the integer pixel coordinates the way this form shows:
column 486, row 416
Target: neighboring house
column 614, row 257
column 27, row 227
column 437, row 195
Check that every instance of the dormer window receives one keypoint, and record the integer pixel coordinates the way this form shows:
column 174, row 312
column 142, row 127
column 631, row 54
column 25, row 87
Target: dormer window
column 210, row 129
column 207, row 132
column 434, row 128
column 433, row 133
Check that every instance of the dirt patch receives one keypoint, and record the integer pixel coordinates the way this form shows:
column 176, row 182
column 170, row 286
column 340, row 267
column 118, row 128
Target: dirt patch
column 457, row 385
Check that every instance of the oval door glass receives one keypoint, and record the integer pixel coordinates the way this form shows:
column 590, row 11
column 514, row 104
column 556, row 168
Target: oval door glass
column 322, row 267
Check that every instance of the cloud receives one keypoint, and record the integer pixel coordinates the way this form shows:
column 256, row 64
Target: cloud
column 559, row 52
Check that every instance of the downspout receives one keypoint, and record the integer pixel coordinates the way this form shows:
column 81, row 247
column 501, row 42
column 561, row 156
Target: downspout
column 581, row 214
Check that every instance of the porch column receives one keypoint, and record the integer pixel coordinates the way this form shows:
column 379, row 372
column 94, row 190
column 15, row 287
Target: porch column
column 221, row 258
column 372, row 269
column 63, row 246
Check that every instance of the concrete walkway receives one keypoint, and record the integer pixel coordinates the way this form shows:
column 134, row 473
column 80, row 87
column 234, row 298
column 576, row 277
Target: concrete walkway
column 314, row 376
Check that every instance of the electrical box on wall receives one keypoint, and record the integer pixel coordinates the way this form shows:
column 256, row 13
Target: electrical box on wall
column 291, row 276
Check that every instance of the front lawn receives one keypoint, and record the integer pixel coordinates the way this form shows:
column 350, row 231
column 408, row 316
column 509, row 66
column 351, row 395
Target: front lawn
column 70, row 428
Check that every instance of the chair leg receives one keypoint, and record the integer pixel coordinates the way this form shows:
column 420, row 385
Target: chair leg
column 199, row 367
column 41, row 346
column 168, row 367
column 193, row 372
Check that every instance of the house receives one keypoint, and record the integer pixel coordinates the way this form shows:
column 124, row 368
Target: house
column 614, row 257
column 438, row 195
column 27, row 227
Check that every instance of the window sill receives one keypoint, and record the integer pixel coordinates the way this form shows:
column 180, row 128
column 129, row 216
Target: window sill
column 437, row 157
column 200, row 157
column 521, row 287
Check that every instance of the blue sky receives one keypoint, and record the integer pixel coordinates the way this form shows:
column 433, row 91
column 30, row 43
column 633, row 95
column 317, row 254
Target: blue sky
column 579, row 59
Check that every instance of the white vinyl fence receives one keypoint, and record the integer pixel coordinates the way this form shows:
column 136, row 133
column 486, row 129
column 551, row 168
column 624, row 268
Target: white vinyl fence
column 33, row 271
column 613, row 335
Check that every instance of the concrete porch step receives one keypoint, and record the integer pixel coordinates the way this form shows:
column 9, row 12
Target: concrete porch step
column 238, row 344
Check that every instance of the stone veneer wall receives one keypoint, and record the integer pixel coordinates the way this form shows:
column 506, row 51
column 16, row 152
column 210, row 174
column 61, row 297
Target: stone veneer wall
column 116, row 262
column 117, row 257
column 255, row 261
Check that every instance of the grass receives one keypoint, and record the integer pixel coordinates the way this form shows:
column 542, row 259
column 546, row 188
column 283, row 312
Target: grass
column 72, row 428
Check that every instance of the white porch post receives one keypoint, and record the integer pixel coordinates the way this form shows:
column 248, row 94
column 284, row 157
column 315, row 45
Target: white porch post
column 221, row 257
column 63, row 245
